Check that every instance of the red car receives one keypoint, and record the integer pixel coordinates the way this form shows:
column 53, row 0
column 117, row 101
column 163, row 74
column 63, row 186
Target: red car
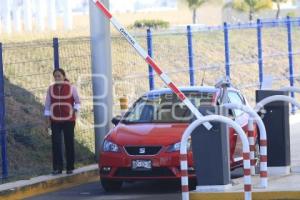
column 145, row 143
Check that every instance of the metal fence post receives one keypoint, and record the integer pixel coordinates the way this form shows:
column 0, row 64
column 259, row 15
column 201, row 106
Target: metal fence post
column 260, row 55
column 56, row 53
column 2, row 118
column 191, row 58
column 291, row 62
column 227, row 55
column 150, row 52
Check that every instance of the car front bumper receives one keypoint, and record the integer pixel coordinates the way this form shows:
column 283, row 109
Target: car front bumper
column 165, row 165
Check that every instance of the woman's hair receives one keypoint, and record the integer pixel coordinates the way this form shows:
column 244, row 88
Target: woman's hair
column 61, row 71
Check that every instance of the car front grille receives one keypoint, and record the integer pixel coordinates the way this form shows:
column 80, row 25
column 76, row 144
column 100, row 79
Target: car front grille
column 142, row 150
column 154, row 172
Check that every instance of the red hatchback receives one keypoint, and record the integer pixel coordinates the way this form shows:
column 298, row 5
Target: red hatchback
column 145, row 143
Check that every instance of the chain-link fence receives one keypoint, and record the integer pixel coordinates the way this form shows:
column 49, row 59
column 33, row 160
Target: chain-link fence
column 28, row 73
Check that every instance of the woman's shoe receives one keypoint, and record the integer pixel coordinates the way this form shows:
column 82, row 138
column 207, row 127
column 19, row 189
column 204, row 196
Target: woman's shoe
column 69, row 171
column 56, row 172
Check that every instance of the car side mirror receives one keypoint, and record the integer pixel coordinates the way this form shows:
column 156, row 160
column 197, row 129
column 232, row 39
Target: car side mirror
column 116, row 120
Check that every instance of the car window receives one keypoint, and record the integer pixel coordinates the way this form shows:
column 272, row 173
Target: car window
column 234, row 97
column 165, row 108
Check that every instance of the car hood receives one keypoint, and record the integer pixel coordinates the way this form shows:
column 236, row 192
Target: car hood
column 147, row 134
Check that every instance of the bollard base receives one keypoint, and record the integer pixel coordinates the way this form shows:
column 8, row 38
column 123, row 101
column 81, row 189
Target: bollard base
column 278, row 171
column 213, row 188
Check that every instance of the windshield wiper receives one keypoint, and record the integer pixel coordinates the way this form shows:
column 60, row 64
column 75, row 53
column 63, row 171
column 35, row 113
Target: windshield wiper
column 124, row 121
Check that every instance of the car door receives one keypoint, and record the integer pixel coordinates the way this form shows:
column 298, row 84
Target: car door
column 241, row 118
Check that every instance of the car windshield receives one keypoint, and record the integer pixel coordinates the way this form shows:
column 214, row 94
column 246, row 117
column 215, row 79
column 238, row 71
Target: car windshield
column 165, row 108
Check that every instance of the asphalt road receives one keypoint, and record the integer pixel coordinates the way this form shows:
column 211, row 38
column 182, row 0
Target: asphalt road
column 161, row 190
column 131, row 191
column 147, row 190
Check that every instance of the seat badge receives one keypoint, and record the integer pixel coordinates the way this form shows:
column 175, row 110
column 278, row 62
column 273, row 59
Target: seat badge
column 142, row 150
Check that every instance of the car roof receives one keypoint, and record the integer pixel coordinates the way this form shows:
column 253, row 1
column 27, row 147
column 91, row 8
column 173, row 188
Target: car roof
column 209, row 89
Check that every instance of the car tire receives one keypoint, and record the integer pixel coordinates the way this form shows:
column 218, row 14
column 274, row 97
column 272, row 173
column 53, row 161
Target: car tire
column 111, row 185
column 192, row 183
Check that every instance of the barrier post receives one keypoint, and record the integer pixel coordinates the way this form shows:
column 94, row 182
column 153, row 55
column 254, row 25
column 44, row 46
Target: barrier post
column 227, row 55
column 260, row 55
column 56, row 53
column 291, row 62
column 276, row 121
column 215, row 143
column 191, row 58
column 150, row 52
column 2, row 118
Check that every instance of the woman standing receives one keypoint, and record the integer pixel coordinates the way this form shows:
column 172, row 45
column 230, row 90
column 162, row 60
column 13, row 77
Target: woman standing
column 62, row 103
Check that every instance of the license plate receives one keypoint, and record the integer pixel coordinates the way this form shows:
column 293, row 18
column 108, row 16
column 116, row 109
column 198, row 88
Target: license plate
column 141, row 165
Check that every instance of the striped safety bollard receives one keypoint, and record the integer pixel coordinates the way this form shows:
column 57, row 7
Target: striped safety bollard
column 247, row 173
column 263, row 158
column 252, row 144
column 151, row 62
column 184, row 158
column 263, row 162
column 290, row 89
column 184, row 176
column 263, row 139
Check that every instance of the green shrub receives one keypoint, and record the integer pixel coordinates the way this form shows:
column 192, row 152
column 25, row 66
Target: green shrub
column 151, row 23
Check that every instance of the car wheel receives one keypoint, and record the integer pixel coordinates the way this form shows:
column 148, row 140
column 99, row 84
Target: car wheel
column 111, row 185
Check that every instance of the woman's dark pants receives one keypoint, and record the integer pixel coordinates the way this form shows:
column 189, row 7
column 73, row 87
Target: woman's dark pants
column 63, row 129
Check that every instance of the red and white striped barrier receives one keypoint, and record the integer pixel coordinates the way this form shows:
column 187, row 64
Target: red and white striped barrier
column 252, row 144
column 263, row 154
column 263, row 159
column 263, row 141
column 151, row 62
column 184, row 161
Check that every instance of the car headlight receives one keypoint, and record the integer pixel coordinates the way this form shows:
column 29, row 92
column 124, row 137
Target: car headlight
column 110, row 146
column 176, row 146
